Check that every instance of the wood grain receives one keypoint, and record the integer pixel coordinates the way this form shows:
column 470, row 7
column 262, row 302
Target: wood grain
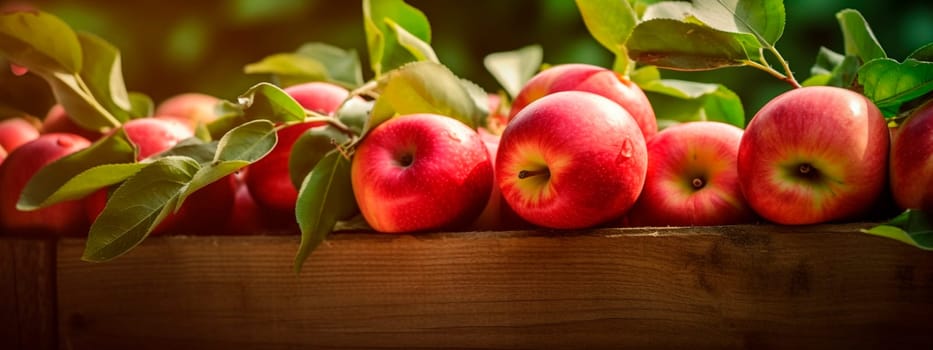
column 27, row 294
column 718, row 287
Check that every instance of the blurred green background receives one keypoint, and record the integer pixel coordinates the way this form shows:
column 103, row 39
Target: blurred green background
column 173, row 46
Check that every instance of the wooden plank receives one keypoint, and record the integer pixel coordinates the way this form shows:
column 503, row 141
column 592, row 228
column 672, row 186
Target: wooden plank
column 722, row 287
column 27, row 294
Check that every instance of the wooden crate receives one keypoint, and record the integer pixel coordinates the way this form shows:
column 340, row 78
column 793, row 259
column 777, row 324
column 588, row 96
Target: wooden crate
column 716, row 287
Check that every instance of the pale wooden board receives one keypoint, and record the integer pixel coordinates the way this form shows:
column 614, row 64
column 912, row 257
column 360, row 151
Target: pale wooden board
column 27, row 294
column 722, row 287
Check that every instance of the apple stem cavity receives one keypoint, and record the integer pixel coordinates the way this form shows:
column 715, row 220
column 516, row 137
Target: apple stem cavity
column 406, row 159
column 524, row 174
column 698, row 183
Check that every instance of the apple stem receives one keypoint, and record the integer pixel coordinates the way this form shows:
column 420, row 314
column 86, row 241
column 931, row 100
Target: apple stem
column 524, row 174
column 805, row 168
column 698, row 183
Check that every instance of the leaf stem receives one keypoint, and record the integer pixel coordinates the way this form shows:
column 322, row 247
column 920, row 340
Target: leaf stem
column 333, row 122
column 785, row 78
column 368, row 89
column 788, row 73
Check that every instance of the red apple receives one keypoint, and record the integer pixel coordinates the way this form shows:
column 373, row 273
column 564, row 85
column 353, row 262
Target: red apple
column 498, row 116
column 57, row 120
column 65, row 218
column 155, row 135
column 497, row 215
column 205, row 211
column 595, row 79
column 190, row 109
column 813, row 155
column 320, row 97
column 15, row 132
column 421, row 172
column 571, row 160
column 692, row 178
column 911, row 168
column 246, row 216
column 268, row 179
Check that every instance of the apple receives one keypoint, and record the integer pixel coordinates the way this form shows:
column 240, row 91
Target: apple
column 57, row 120
column 319, row 97
column 498, row 116
column 813, row 155
column 268, row 179
column 205, row 211
column 421, row 172
column 692, row 179
column 155, row 135
column 590, row 78
column 15, row 132
column 246, row 216
column 189, row 108
column 911, row 167
column 65, row 218
column 497, row 215
column 571, row 160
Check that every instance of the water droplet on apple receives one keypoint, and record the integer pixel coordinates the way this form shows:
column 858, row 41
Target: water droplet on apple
column 625, row 152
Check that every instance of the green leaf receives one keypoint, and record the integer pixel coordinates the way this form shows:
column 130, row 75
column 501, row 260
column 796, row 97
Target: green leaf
column 248, row 142
column 912, row 227
column 610, row 22
column 859, row 40
column 382, row 112
column 833, row 69
column 678, row 45
column 267, row 101
column 684, row 101
column 889, row 83
column 238, row 148
column 289, row 68
column 924, row 53
column 763, row 19
column 83, row 108
column 137, row 206
column 826, row 61
column 343, row 66
column 194, row 148
column 261, row 101
column 39, row 41
column 141, row 105
column 645, row 74
column 310, row 148
column 83, row 70
column 512, row 69
column 385, row 51
column 420, row 49
column 78, row 174
column 312, row 62
column 325, row 196
column 102, row 73
column 428, row 87
column 353, row 113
